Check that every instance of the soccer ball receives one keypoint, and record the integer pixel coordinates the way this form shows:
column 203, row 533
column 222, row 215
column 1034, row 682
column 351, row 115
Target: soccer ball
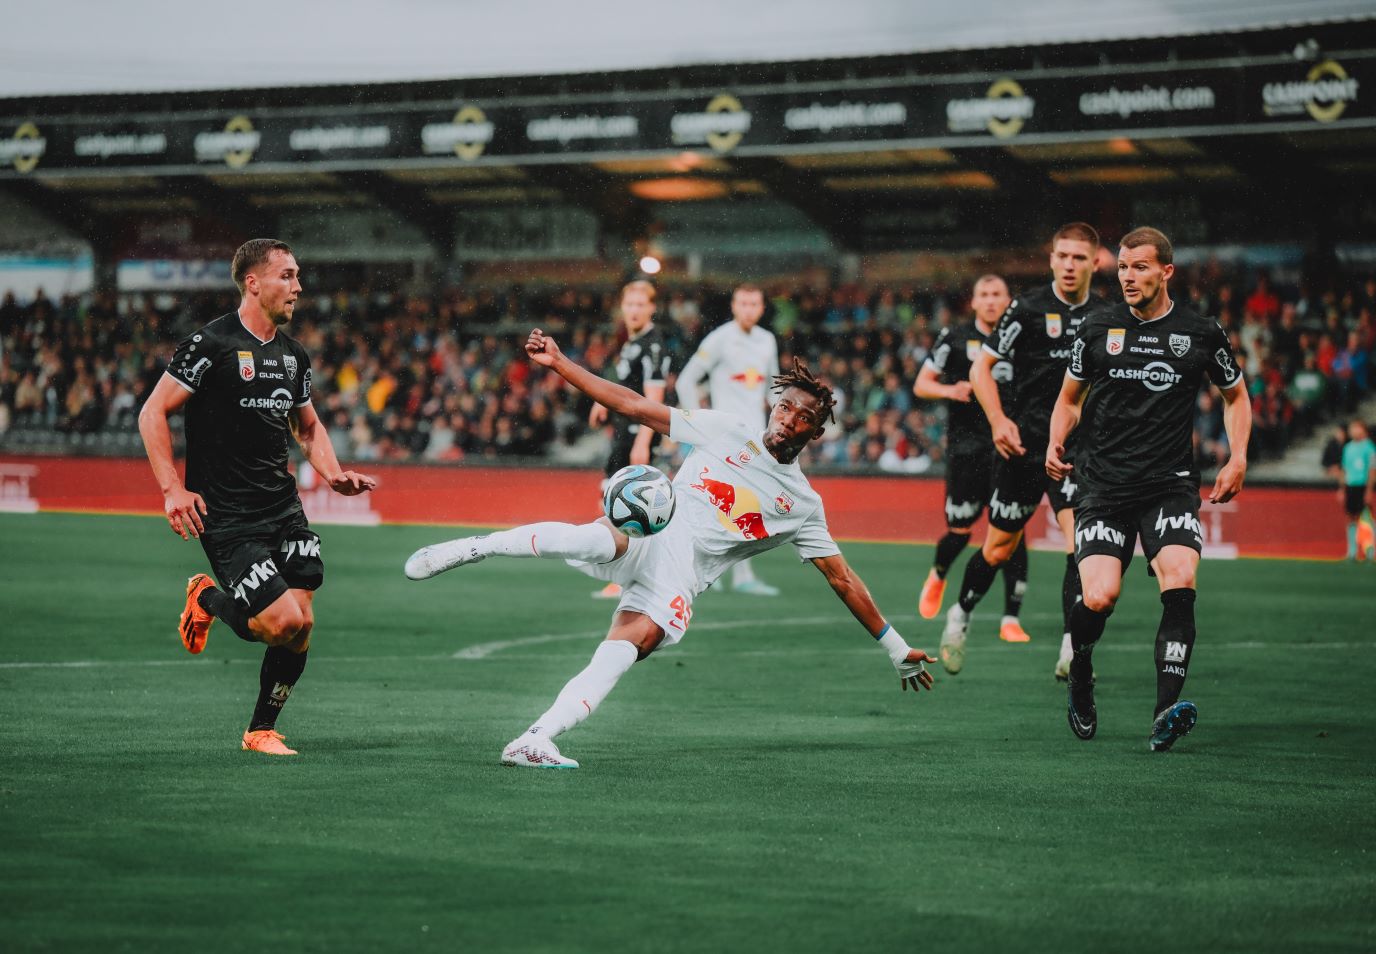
column 639, row 500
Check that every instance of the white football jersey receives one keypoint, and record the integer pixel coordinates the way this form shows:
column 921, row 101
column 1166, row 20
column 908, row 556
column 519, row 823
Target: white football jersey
column 739, row 369
column 734, row 500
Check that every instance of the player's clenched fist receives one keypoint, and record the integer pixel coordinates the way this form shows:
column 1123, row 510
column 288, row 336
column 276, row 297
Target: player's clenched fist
column 542, row 349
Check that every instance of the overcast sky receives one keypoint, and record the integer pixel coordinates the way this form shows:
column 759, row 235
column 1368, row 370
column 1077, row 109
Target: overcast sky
column 63, row 46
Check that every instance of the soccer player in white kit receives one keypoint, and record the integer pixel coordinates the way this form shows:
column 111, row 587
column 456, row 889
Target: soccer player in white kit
column 740, row 492
column 739, row 360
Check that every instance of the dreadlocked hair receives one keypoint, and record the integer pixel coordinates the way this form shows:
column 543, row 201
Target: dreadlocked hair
column 800, row 376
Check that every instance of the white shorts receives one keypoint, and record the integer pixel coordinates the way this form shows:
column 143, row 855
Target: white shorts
column 656, row 579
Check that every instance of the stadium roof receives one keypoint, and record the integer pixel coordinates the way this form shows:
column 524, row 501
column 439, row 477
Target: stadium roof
column 154, row 46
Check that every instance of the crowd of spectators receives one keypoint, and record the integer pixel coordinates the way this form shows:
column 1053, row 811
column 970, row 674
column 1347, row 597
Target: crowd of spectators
column 440, row 377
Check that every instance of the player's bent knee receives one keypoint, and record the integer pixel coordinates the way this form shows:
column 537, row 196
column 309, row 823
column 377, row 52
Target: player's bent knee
column 1101, row 599
column 278, row 625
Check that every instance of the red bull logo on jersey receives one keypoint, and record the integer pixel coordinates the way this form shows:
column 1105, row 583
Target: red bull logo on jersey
column 738, row 506
column 246, row 365
column 783, row 504
column 750, row 377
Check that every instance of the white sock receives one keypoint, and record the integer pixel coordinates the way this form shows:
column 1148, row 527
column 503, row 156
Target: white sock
column 742, row 572
column 588, row 542
column 585, row 691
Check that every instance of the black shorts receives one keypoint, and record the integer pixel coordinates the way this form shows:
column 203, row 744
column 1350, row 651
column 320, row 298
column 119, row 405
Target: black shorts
column 258, row 564
column 969, row 478
column 1019, row 484
column 1111, row 528
column 1354, row 500
column 1063, row 494
column 623, row 439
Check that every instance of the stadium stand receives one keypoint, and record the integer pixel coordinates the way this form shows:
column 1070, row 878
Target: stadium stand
column 439, row 377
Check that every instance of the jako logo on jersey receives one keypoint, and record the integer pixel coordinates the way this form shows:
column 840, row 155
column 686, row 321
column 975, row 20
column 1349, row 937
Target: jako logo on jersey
column 246, row 365
column 196, row 372
column 258, row 574
column 1175, row 652
column 1180, row 345
column 1113, row 344
column 961, row 511
column 1053, row 325
column 1225, row 361
column 1186, row 520
column 1157, row 376
column 1100, row 531
column 783, row 504
column 1009, row 511
column 1008, row 335
column 279, row 401
column 304, row 548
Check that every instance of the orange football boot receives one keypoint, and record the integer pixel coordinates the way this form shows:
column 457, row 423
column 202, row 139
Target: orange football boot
column 612, row 591
column 267, row 741
column 929, row 603
column 1011, row 631
column 195, row 621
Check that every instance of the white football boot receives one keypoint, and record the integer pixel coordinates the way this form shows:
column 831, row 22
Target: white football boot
column 535, row 751
column 952, row 651
column 1063, row 663
column 434, row 560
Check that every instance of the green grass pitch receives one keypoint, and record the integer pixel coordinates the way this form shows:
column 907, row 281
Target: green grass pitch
column 764, row 786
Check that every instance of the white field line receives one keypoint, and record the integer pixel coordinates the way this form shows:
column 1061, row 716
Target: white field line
column 485, row 650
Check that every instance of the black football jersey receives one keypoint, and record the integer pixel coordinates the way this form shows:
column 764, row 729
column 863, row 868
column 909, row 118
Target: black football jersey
column 1137, row 425
column 642, row 361
column 953, row 354
column 237, row 428
column 1035, row 335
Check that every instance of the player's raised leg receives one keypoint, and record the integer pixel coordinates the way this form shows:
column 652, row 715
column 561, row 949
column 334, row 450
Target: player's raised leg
column 632, row 636
column 595, row 542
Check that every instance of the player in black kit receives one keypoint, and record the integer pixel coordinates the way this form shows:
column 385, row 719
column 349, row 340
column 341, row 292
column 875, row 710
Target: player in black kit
column 1034, row 336
column 969, row 451
column 1137, row 370
column 245, row 388
column 642, row 365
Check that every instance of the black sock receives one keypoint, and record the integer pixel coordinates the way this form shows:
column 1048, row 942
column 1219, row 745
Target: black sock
column 978, row 575
column 221, row 605
column 1070, row 588
column 947, row 549
column 1174, row 645
column 1015, row 580
column 1086, row 626
column 281, row 669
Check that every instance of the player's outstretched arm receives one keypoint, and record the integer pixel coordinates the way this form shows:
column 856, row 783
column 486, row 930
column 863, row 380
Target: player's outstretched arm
column 852, row 591
column 653, row 414
column 1007, row 439
column 183, row 508
column 315, row 444
column 1065, row 417
column 1237, row 424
